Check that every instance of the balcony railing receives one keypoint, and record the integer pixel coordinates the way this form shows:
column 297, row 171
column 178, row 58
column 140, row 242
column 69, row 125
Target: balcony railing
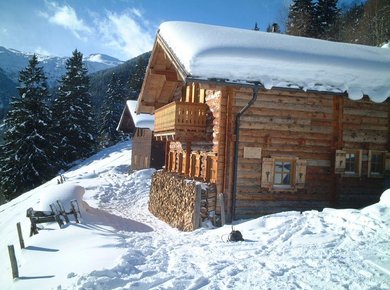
column 181, row 121
column 202, row 165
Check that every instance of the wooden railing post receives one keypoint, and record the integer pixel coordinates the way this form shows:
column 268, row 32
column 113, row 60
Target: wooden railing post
column 20, row 235
column 14, row 263
column 196, row 220
column 188, row 158
column 222, row 205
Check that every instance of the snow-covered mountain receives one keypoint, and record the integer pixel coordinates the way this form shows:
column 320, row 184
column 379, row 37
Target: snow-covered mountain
column 12, row 61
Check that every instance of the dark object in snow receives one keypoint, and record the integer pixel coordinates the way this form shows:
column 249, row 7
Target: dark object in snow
column 57, row 214
column 235, row 236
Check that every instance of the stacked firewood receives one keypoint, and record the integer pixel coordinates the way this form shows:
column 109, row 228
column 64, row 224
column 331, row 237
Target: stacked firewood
column 172, row 200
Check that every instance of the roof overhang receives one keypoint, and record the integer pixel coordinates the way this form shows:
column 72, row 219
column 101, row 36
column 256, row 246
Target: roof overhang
column 164, row 75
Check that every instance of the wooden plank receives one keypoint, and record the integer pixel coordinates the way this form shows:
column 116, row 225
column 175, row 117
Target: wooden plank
column 376, row 137
column 20, row 235
column 373, row 112
column 14, row 263
column 288, row 128
column 290, row 107
column 221, row 203
column 265, row 112
column 274, row 120
column 196, row 219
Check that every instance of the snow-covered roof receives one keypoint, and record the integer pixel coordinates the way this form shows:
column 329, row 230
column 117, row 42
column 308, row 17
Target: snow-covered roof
column 278, row 60
column 145, row 121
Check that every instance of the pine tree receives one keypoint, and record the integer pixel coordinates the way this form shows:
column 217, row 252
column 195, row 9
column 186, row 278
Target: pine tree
column 73, row 112
column 273, row 28
column 137, row 77
column 26, row 158
column 300, row 20
column 350, row 28
column 111, row 112
column 376, row 22
column 326, row 19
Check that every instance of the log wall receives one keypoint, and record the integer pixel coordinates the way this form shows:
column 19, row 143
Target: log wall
column 365, row 126
column 141, row 149
column 308, row 127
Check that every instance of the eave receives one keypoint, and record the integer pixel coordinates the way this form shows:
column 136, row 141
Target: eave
column 164, row 75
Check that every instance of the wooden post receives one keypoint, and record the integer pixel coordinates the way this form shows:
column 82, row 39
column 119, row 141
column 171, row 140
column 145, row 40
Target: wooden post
column 196, row 216
column 188, row 158
column 14, row 264
column 222, row 205
column 167, row 155
column 20, row 235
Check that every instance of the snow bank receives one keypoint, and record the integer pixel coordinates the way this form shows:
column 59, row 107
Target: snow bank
column 278, row 60
column 380, row 210
column 63, row 193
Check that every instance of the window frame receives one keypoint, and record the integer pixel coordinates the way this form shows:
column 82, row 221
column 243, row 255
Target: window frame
column 355, row 163
column 291, row 172
column 341, row 157
column 297, row 172
column 376, row 174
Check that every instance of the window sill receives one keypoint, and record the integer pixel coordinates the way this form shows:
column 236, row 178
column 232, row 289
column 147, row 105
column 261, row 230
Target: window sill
column 350, row 174
column 276, row 188
column 376, row 175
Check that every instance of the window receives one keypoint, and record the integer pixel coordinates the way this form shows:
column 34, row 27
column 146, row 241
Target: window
column 283, row 173
column 376, row 163
column 348, row 162
column 351, row 164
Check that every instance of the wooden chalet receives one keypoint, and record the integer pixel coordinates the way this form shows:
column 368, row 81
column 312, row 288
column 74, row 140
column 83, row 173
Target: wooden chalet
column 276, row 122
column 147, row 152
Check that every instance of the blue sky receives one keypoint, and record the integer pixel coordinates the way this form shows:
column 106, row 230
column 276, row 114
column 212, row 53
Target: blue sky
column 120, row 28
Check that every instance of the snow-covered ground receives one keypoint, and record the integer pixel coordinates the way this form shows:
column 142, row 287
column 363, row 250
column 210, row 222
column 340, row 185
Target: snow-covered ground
column 120, row 245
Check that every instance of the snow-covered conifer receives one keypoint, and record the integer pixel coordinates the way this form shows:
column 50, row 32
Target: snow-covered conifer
column 26, row 158
column 73, row 112
column 111, row 112
column 326, row 19
column 300, row 20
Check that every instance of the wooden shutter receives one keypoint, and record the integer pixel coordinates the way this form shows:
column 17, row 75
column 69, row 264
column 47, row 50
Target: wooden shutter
column 339, row 166
column 359, row 173
column 267, row 172
column 300, row 173
column 387, row 163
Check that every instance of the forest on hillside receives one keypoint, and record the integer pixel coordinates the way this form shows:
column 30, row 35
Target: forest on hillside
column 366, row 22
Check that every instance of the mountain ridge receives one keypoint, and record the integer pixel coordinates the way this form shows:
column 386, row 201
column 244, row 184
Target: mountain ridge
column 12, row 61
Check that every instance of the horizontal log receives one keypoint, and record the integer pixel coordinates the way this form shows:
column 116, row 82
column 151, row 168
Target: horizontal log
column 265, row 112
column 282, row 134
column 375, row 137
column 288, row 128
column 367, row 113
column 274, row 120
column 289, row 107
column 349, row 104
column 287, row 101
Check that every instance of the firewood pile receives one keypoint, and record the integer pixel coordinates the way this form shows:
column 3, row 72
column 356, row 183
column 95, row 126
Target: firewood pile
column 173, row 199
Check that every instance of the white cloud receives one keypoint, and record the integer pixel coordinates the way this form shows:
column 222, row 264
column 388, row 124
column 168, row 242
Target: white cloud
column 66, row 17
column 126, row 32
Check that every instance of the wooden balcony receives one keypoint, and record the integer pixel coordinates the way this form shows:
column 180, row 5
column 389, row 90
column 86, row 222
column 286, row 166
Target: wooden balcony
column 181, row 121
